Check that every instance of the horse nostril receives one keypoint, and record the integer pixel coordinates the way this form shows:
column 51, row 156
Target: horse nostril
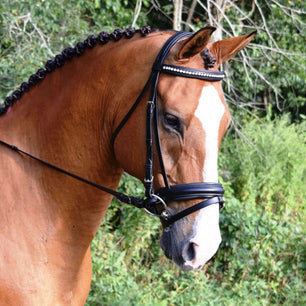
column 189, row 251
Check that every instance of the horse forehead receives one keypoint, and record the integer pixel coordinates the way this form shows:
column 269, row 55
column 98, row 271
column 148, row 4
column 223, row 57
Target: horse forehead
column 180, row 94
column 210, row 108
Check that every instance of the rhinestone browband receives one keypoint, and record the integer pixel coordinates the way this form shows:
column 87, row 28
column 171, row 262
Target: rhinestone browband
column 207, row 75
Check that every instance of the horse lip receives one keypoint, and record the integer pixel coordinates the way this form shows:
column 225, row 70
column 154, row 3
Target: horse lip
column 165, row 242
column 186, row 267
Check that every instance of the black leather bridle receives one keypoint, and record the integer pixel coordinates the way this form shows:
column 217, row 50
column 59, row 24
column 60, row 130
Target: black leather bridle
column 211, row 192
column 155, row 202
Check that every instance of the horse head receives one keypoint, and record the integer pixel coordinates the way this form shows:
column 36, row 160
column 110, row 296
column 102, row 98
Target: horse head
column 192, row 117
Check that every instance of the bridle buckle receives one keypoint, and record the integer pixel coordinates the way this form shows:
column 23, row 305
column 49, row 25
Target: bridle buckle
column 153, row 202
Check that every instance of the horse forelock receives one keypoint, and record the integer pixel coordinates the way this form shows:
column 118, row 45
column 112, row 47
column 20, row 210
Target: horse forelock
column 208, row 59
column 66, row 55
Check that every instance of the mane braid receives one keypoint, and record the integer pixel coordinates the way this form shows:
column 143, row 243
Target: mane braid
column 66, row 55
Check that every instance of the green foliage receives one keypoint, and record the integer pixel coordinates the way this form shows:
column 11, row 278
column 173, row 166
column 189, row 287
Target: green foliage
column 32, row 32
column 268, row 72
column 264, row 232
column 277, row 148
column 261, row 260
column 271, row 70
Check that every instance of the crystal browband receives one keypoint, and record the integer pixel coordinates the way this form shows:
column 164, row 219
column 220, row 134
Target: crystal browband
column 207, row 75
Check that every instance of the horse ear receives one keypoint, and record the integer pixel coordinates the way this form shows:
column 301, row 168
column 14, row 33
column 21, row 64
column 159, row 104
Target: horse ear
column 196, row 43
column 225, row 49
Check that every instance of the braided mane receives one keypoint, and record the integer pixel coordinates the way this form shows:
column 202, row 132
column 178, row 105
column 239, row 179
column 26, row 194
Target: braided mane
column 67, row 54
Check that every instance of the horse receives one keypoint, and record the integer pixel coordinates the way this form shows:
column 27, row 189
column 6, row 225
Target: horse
column 75, row 125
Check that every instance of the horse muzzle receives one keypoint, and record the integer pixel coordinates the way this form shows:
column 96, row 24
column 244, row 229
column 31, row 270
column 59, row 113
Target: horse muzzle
column 192, row 243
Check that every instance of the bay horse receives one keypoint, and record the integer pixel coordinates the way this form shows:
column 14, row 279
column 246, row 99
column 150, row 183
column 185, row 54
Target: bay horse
column 88, row 116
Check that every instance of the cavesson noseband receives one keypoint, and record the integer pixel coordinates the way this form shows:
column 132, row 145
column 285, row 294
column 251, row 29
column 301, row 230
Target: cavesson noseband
column 155, row 202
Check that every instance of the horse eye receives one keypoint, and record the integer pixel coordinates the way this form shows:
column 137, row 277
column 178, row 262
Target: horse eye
column 172, row 121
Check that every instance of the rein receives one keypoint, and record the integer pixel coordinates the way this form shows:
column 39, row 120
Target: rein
column 155, row 203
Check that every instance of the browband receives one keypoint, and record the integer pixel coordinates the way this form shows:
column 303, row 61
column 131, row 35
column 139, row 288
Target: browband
column 206, row 75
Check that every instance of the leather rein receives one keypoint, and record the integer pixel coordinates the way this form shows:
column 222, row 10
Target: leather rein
column 155, row 202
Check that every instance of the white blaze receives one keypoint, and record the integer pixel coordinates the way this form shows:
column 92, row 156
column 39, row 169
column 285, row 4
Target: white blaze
column 210, row 112
column 207, row 235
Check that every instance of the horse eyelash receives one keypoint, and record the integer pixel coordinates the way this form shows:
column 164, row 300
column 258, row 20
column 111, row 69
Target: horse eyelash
column 167, row 117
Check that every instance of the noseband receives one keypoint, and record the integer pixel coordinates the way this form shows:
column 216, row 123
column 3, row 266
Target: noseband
column 155, row 202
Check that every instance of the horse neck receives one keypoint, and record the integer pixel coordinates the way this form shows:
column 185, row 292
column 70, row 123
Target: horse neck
column 67, row 120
